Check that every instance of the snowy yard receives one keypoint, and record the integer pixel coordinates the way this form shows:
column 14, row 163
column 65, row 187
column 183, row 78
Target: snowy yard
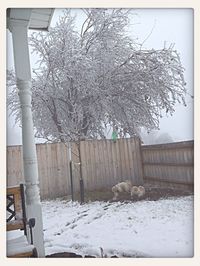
column 162, row 228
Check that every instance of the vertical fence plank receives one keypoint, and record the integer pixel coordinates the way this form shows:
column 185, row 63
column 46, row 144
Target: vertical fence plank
column 109, row 162
column 76, row 167
column 85, row 168
column 117, row 165
column 97, row 165
column 127, row 159
column 131, row 160
column 92, row 166
column 100, row 164
column 113, row 163
column 136, row 180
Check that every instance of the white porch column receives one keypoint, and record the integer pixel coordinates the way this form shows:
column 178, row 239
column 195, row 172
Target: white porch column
column 19, row 31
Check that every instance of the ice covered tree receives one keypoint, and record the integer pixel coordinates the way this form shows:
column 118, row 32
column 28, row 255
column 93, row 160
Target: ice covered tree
column 155, row 137
column 97, row 76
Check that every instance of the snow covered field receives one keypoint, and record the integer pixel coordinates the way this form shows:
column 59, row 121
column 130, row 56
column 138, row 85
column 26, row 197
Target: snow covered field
column 162, row 228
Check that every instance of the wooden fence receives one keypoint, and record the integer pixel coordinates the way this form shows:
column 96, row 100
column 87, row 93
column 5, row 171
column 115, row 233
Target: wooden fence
column 104, row 163
column 53, row 167
column 169, row 165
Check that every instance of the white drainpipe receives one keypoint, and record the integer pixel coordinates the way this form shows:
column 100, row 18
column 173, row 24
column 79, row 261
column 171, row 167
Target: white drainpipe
column 19, row 31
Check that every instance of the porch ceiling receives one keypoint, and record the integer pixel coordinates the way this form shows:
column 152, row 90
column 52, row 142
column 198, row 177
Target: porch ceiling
column 39, row 18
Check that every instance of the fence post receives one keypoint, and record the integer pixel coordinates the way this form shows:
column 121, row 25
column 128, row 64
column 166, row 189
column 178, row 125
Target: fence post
column 71, row 179
column 141, row 159
column 70, row 169
column 81, row 174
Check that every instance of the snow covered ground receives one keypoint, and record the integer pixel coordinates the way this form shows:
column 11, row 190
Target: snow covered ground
column 162, row 228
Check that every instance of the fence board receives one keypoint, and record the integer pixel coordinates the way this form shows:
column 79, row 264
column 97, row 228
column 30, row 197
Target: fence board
column 114, row 164
column 76, row 167
column 117, row 150
column 91, row 178
column 102, row 170
column 131, row 161
column 97, row 165
column 108, row 154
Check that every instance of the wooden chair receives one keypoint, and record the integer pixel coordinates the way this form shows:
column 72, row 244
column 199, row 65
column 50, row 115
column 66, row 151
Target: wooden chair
column 16, row 219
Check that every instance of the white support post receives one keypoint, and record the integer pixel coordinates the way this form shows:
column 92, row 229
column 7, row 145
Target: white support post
column 23, row 73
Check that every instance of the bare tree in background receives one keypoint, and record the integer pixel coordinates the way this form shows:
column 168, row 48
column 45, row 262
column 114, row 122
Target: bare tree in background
column 156, row 137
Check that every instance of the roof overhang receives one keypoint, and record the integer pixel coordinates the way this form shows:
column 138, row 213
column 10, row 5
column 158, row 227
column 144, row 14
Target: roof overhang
column 34, row 18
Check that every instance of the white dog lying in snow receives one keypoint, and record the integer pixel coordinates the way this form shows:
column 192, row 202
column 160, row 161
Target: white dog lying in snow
column 137, row 191
column 121, row 187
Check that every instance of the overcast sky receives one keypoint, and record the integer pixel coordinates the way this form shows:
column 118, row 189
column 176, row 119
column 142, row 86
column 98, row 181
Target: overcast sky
column 156, row 27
